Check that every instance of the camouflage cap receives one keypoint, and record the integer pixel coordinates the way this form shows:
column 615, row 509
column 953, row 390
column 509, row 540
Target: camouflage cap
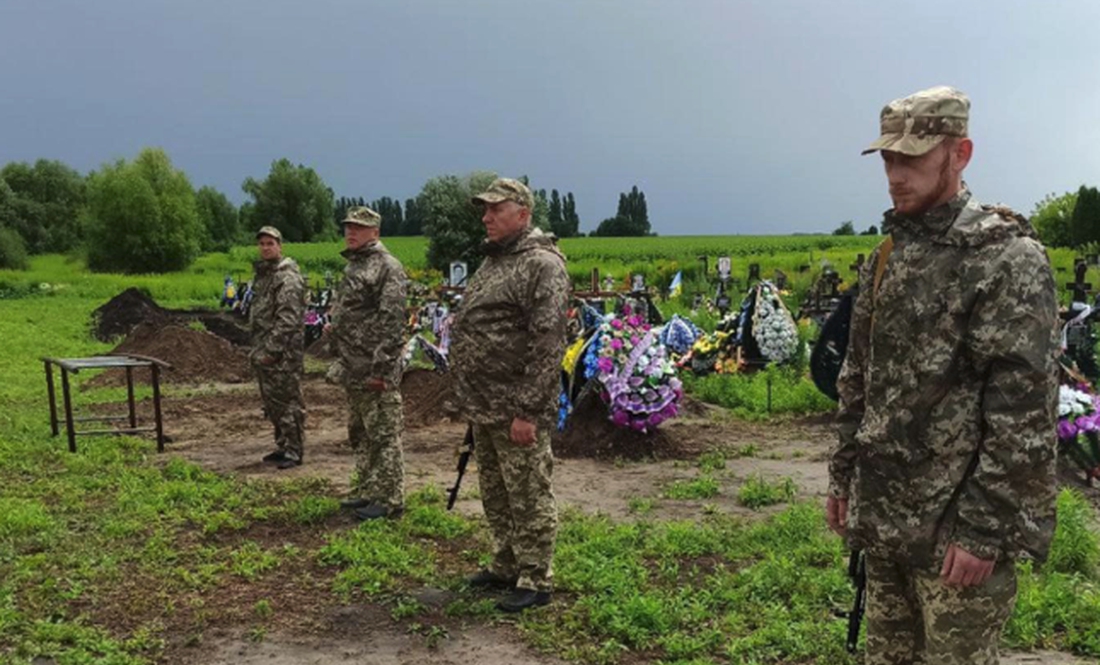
column 917, row 123
column 362, row 216
column 270, row 231
column 506, row 189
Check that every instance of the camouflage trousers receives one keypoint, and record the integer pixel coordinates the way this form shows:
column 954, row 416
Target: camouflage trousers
column 518, row 499
column 281, row 394
column 375, row 425
column 913, row 618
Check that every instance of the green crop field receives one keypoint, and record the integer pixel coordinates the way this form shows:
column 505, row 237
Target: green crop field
column 116, row 554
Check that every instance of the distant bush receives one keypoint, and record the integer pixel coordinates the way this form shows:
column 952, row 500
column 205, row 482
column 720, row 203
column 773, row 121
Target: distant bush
column 141, row 216
column 13, row 253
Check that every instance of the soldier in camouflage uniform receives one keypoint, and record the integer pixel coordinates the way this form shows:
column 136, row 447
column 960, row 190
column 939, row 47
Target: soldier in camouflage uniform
column 278, row 336
column 367, row 334
column 508, row 341
column 944, row 470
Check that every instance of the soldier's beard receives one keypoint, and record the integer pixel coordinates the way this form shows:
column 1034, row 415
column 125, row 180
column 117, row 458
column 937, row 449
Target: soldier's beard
column 945, row 189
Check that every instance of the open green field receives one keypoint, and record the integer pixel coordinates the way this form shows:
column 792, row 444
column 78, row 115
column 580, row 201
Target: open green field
column 119, row 555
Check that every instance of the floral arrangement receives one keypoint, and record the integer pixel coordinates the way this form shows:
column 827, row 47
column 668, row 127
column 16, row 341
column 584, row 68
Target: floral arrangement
column 773, row 327
column 1078, row 412
column 639, row 382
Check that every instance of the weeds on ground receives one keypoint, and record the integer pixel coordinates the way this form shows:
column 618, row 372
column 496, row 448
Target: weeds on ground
column 703, row 487
column 758, row 492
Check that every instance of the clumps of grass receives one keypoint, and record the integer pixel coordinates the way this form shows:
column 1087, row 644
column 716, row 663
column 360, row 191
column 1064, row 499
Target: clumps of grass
column 313, row 509
column 1075, row 548
column 250, row 560
column 758, row 492
column 747, row 394
column 639, row 505
column 196, row 325
column 747, row 450
column 714, row 460
column 380, row 555
column 703, row 487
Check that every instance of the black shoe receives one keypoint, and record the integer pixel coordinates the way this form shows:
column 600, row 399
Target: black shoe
column 354, row 503
column 275, row 457
column 522, row 599
column 377, row 511
column 288, row 463
column 487, row 579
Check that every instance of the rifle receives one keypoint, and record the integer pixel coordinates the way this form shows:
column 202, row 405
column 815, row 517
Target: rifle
column 463, row 460
column 857, row 570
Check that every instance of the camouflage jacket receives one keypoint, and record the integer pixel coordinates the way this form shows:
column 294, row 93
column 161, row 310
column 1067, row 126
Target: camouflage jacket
column 368, row 319
column 277, row 314
column 509, row 334
column 948, row 393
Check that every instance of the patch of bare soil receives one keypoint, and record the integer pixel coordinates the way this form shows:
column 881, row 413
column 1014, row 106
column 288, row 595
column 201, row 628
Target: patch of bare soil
column 121, row 314
column 196, row 356
column 228, row 433
column 428, row 397
column 373, row 639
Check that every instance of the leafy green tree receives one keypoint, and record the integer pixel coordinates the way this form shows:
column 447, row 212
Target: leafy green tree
column 631, row 219
column 872, row 230
column 294, row 200
column 45, row 200
column 392, row 217
column 13, row 254
column 845, row 229
column 1084, row 223
column 452, row 224
column 571, row 223
column 554, row 215
column 219, row 218
column 1051, row 219
column 141, row 216
column 413, row 225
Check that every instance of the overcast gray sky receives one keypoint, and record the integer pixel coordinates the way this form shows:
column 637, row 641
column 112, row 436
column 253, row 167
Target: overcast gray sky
column 733, row 117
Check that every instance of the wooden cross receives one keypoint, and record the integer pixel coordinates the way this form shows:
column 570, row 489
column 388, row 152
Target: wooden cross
column 830, row 281
column 858, row 265
column 1080, row 287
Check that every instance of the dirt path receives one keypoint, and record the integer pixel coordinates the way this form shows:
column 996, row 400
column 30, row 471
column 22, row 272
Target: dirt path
column 228, row 434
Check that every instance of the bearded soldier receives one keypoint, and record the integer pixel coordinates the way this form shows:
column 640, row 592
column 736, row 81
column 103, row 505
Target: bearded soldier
column 944, row 470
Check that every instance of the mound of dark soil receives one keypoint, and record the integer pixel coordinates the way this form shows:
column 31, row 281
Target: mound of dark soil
column 196, row 356
column 589, row 433
column 428, row 397
column 121, row 314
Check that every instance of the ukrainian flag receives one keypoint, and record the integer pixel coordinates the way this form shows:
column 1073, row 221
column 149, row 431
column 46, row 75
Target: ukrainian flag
column 677, row 285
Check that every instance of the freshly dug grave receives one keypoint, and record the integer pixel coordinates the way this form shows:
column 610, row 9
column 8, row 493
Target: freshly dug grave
column 589, row 433
column 196, row 356
column 120, row 315
column 428, row 397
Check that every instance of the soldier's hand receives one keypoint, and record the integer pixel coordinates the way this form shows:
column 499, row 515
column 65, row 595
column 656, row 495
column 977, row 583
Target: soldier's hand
column 376, row 385
column 523, row 433
column 267, row 361
column 963, row 569
column 326, row 329
column 836, row 514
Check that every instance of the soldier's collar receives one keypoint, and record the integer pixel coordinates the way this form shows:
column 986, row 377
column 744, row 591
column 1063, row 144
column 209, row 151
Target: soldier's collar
column 363, row 250
column 507, row 245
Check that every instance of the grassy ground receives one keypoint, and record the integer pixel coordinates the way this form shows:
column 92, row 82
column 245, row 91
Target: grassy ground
column 118, row 555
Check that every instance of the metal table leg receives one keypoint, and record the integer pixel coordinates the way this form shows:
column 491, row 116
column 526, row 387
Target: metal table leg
column 69, row 426
column 53, row 397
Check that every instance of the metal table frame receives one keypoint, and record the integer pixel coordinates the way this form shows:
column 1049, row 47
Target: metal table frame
column 126, row 361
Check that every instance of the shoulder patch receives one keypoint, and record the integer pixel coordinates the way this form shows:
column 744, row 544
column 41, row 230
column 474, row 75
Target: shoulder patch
column 1005, row 211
